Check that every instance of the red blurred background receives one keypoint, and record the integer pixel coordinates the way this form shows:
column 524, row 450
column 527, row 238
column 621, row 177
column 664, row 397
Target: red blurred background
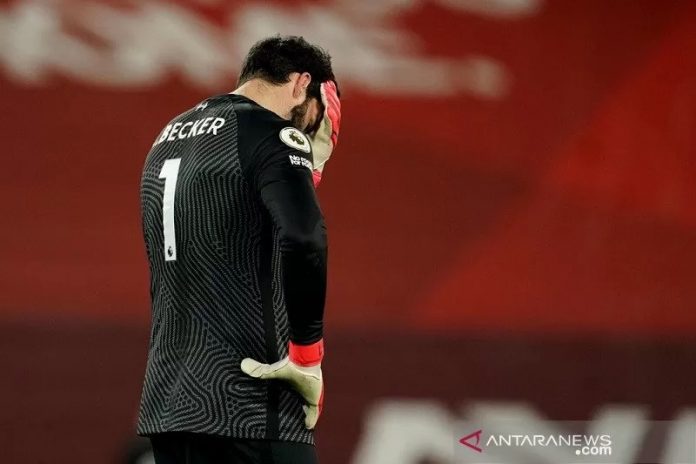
column 510, row 206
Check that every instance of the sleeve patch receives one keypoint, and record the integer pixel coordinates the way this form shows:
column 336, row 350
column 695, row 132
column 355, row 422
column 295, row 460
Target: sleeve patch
column 300, row 161
column 295, row 139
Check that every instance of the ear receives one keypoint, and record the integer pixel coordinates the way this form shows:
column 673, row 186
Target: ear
column 301, row 85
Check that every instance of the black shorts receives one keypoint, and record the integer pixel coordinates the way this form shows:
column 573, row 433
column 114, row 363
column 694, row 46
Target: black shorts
column 192, row 448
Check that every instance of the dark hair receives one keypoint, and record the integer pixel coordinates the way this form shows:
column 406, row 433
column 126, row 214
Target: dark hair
column 275, row 58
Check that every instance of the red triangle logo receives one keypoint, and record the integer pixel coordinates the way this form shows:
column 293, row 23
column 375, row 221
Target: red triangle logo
column 466, row 441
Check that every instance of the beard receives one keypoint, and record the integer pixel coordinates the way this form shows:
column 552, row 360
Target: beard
column 298, row 115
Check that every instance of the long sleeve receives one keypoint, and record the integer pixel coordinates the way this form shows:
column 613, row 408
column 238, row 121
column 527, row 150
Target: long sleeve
column 285, row 184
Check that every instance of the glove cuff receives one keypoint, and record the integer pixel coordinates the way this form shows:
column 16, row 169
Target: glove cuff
column 306, row 355
column 316, row 177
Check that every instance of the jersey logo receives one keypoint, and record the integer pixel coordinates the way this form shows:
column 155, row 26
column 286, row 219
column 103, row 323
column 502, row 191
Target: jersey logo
column 295, row 139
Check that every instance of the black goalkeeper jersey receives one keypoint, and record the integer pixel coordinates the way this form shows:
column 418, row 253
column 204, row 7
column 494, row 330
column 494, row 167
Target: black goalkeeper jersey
column 237, row 250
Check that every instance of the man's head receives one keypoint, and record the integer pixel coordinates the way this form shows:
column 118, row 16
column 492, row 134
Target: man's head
column 294, row 68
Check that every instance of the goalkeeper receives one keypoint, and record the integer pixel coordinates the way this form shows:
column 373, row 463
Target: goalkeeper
column 237, row 249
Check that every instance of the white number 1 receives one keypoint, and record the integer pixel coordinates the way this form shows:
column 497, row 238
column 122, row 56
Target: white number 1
column 170, row 172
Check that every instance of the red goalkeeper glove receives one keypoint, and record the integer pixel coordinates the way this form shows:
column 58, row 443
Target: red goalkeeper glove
column 326, row 137
column 302, row 370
